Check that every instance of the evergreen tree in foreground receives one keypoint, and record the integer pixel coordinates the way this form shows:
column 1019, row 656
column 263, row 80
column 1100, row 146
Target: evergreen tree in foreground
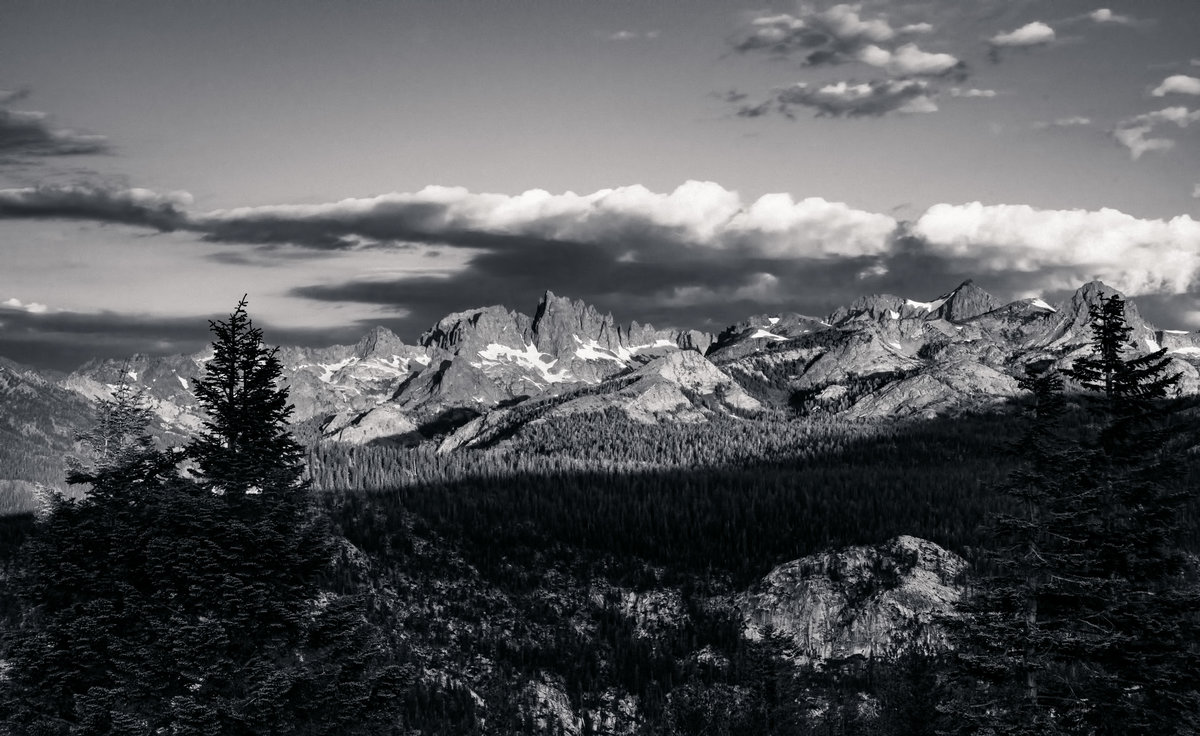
column 246, row 445
column 157, row 604
column 1084, row 619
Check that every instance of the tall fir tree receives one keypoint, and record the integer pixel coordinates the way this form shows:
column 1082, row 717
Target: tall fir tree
column 245, row 445
column 158, row 604
column 1143, row 679
column 1084, row 620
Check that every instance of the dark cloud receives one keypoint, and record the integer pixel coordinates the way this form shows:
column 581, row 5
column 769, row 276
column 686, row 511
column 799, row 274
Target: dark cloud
column 64, row 340
column 26, row 133
column 850, row 99
column 141, row 207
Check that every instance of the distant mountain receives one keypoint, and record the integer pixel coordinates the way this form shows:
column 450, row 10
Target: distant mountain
column 478, row 375
column 38, row 421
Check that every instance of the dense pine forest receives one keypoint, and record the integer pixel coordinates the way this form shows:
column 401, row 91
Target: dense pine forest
column 579, row 577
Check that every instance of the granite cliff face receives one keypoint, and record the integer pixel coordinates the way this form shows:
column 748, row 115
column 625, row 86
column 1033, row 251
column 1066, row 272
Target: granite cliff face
column 879, row 601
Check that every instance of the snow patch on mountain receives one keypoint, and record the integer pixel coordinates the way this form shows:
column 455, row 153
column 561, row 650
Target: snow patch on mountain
column 496, row 354
column 761, row 334
column 926, row 306
column 1041, row 304
column 593, row 350
column 332, row 368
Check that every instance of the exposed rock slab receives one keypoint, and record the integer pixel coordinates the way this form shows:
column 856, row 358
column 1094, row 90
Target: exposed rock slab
column 873, row 601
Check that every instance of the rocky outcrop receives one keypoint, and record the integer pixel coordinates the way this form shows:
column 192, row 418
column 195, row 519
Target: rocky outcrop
column 941, row 390
column 873, row 601
column 386, row 420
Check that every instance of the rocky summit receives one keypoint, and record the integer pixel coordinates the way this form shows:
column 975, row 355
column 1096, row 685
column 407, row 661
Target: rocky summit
column 481, row 370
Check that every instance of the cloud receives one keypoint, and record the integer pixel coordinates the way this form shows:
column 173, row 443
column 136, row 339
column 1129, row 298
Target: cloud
column 917, row 28
column 1056, row 248
column 1133, row 132
column 30, row 133
column 696, row 216
column 1196, row 191
column 972, row 92
column 696, row 256
column 1075, row 121
column 832, row 36
column 1104, row 15
column 64, row 339
column 633, row 35
column 31, row 307
column 1179, row 84
column 849, row 99
column 1036, row 33
column 1016, row 250
column 909, row 60
column 140, row 207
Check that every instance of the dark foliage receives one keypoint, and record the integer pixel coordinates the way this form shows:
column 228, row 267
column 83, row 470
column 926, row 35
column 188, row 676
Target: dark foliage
column 156, row 604
column 1086, row 622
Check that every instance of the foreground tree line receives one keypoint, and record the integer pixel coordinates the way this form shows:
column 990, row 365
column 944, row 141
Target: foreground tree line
column 209, row 589
column 192, row 601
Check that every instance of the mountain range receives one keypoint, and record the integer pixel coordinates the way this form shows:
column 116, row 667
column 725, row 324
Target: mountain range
column 480, row 375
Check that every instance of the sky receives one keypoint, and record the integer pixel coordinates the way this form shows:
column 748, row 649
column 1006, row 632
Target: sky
column 685, row 164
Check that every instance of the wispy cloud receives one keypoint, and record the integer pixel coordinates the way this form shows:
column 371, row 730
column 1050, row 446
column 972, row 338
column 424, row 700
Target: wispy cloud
column 1134, row 132
column 1178, row 84
column 972, row 92
column 1104, row 15
column 25, row 133
column 633, row 35
column 1075, row 121
column 849, row 99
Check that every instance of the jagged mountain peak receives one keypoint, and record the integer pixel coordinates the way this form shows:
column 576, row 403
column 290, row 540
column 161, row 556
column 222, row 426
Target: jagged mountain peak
column 380, row 341
column 966, row 301
column 1074, row 317
column 559, row 319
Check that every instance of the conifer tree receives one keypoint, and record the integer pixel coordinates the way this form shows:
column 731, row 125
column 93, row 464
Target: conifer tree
column 158, row 604
column 1084, row 621
column 1009, row 663
column 1142, row 678
column 246, row 444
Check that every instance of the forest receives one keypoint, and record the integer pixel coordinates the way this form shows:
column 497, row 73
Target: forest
column 255, row 583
